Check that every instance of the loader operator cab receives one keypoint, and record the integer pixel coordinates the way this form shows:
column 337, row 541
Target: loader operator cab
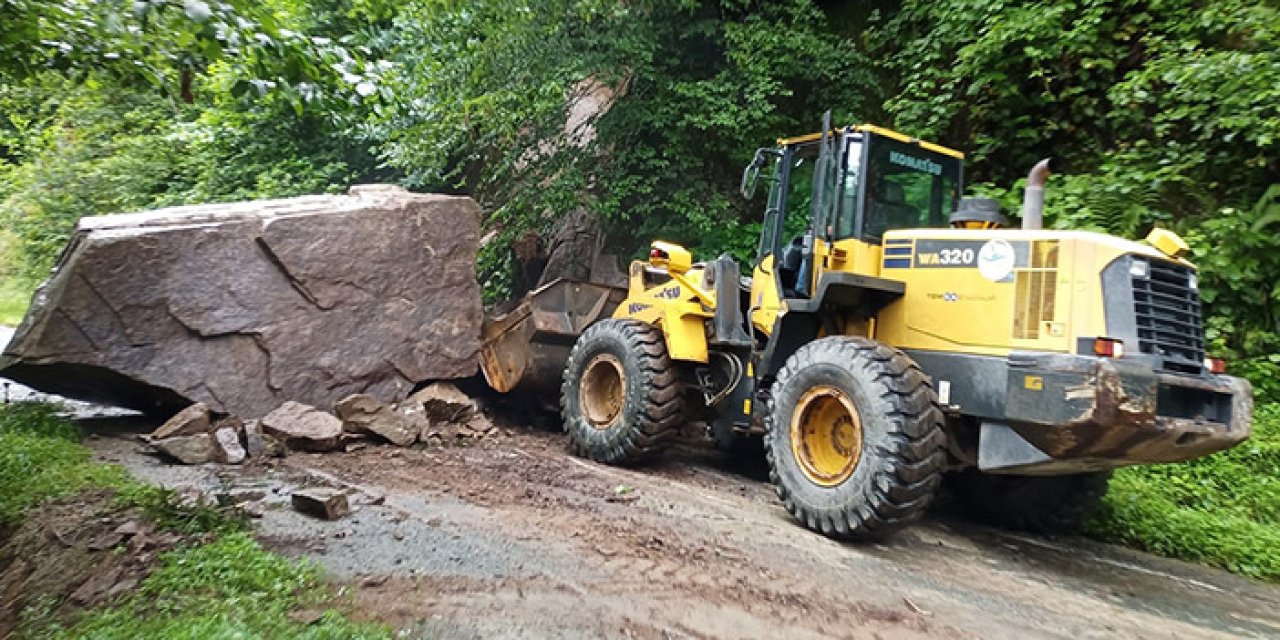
column 878, row 180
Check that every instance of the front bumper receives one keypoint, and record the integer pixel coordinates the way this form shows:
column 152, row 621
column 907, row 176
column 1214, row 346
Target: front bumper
column 1075, row 413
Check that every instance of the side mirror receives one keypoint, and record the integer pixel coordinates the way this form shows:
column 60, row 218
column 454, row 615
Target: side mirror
column 752, row 172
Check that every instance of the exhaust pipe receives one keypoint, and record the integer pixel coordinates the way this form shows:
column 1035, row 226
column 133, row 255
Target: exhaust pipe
column 1033, row 198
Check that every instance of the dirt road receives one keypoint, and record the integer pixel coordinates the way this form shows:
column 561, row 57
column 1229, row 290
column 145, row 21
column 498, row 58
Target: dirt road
column 514, row 538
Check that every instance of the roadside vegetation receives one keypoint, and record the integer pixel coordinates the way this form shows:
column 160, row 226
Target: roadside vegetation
column 219, row 583
column 1158, row 113
column 15, row 287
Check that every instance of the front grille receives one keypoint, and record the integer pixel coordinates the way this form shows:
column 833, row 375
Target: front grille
column 1168, row 316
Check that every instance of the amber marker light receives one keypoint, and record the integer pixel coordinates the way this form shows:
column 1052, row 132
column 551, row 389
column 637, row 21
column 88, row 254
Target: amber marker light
column 1108, row 347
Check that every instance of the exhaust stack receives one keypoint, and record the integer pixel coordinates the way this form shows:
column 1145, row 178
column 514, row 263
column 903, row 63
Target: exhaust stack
column 1033, row 198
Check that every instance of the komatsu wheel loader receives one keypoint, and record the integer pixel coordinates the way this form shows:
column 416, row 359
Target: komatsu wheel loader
column 891, row 334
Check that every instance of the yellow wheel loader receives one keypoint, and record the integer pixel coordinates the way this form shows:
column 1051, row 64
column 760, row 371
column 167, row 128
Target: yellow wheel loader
column 891, row 334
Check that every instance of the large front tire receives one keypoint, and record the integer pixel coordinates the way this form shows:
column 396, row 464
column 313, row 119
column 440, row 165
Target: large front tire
column 1040, row 504
column 621, row 399
column 854, row 438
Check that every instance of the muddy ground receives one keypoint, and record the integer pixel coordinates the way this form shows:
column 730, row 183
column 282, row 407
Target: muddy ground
column 515, row 538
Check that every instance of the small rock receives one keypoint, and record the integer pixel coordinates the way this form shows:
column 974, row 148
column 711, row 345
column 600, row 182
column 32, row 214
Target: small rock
column 399, row 535
column 324, row 503
column 237, row 496
column 106, row 541
column 130, row 528
column 196, row 449
column 306, row 616
column 97, row 585
column 303, row 427
column 193, row 420
column 443, row 402
column 252, row 509
column 229, row 449
column 253, row 445
column 373, row 581
column 122, row 587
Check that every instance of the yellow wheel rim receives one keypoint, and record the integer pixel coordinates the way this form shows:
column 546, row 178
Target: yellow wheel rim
column 826, row 435
column 603, row 390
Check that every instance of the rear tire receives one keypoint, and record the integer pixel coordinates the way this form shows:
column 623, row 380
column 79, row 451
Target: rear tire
column 1040, row 504
column 854, row 438
column 621, row 400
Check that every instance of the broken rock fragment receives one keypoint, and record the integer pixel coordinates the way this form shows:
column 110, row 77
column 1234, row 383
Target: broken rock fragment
column 363, row 413
column 229, row 449
column 303, row 427
column 196, row 449
column 449, row 416
column 193, row 420
column 245, row 305
column 324, row 503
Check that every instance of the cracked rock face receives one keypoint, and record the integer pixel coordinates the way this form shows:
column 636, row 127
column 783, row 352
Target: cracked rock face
column 243, row 306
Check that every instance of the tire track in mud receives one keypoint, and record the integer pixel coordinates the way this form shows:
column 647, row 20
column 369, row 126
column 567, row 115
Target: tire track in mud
column 627, row 549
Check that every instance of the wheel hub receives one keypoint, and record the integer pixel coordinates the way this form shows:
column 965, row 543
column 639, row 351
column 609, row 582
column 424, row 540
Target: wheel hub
column 826, row 435
column 603, row 390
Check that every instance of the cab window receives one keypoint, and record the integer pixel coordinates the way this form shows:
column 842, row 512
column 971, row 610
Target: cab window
column 908, row 188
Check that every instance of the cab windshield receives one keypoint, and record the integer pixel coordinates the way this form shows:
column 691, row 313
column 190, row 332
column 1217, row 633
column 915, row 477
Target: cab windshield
column 903, row 186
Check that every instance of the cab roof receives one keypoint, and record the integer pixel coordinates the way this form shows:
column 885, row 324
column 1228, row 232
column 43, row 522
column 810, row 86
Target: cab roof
column 879, row 131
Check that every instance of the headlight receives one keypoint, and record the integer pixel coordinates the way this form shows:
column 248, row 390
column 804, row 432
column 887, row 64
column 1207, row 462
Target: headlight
column 1193, row 281
column 1140, row 268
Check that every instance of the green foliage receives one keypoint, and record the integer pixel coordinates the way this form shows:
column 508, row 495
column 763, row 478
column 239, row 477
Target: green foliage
column 1162, row 84
column 101, row 151
column 41, row 459
column 167, row 509
column 15, row 296
column 15, row 290
column 230, row 588
column 1222, row 510
column 479, row 97
column 95, row 149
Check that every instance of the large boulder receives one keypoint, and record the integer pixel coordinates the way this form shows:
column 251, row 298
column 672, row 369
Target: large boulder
column 243, row 306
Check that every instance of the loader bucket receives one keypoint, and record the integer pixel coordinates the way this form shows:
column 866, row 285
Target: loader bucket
column 527, row 347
